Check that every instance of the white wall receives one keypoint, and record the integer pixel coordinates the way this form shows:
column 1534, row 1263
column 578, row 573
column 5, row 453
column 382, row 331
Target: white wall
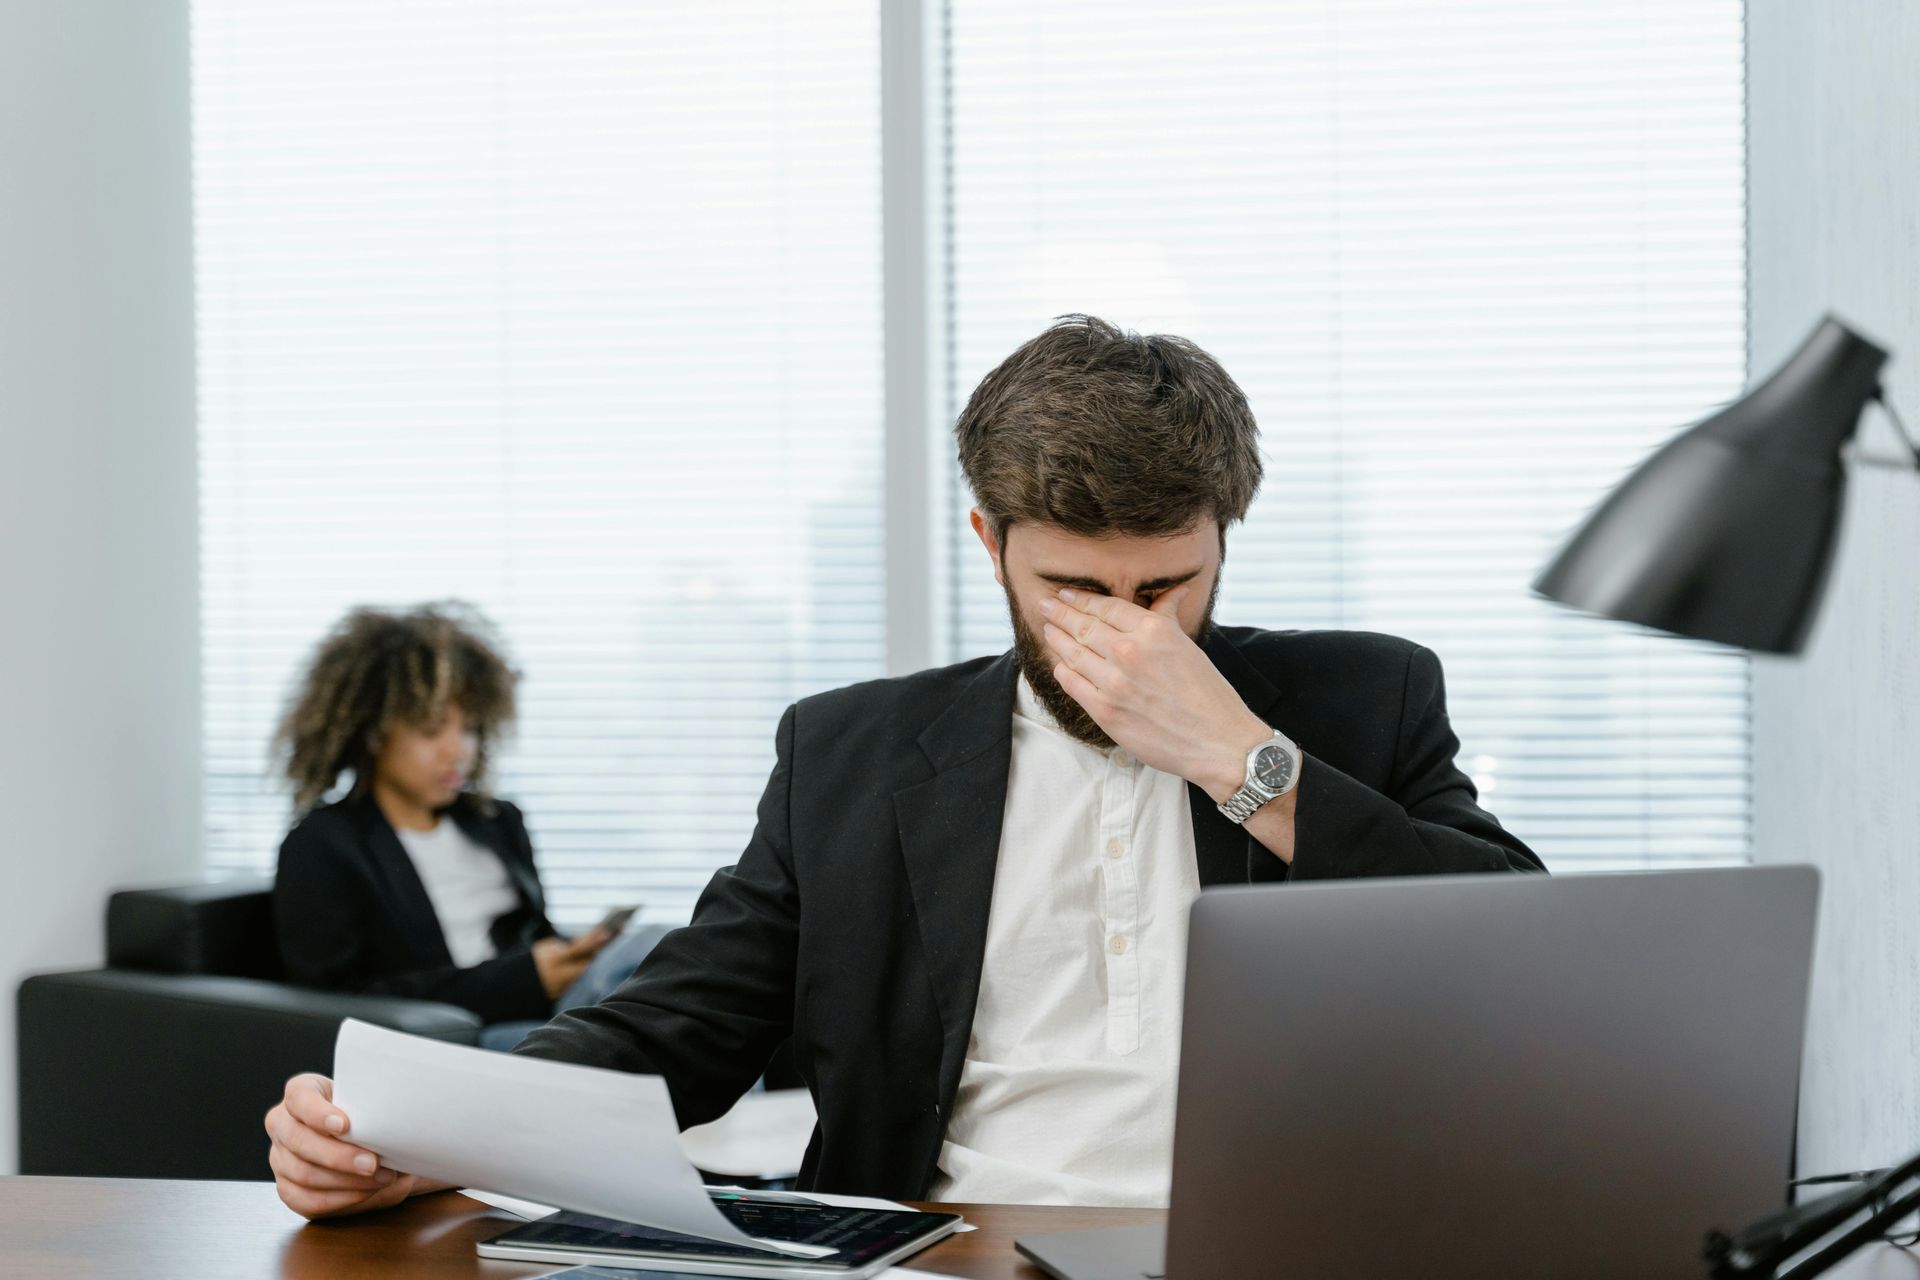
column 1834, row 145
column 99, row 612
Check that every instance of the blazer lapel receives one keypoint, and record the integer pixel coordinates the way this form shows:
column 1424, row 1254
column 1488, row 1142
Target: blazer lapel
column 949, row 828
column 1225, row 852
column 415, row 907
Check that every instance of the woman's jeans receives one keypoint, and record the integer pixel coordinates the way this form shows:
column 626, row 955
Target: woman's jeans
column 611, row 967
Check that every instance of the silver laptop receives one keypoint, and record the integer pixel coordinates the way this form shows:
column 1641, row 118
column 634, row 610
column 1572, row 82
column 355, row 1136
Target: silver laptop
column 1477, row 1076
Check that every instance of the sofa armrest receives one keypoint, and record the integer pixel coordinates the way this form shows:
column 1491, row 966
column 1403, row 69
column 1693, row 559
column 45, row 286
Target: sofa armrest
column 263, row 1005
column 218, row 926
column 130, row 1074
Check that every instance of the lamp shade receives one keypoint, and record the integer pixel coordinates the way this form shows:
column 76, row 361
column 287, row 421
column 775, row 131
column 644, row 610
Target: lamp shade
column 1727, row 531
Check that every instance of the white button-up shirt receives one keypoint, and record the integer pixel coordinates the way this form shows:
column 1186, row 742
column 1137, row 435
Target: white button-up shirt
column 1066, row 1096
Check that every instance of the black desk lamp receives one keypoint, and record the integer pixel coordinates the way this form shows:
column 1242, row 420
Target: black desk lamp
column 1726, row 533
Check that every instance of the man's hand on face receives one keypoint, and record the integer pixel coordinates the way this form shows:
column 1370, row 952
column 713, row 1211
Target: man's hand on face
column 1154, row 691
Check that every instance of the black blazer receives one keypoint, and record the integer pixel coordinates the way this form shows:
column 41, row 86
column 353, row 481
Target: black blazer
column 856, row 919
column 351, row 914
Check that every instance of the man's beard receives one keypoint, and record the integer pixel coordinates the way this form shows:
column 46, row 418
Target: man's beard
column 1037, row 662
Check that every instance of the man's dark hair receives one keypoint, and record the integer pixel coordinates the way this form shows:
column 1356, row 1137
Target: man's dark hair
column 1098, row 430
column 378, row 669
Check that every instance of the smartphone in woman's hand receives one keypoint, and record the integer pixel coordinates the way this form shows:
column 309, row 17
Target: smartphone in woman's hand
column 616, row 920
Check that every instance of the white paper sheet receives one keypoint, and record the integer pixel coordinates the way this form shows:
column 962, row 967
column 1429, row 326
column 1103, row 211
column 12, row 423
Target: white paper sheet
column 763, row 1136
column 594, row 1141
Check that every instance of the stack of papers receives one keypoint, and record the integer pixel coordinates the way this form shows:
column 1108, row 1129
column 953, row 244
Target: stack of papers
column 582, row 1138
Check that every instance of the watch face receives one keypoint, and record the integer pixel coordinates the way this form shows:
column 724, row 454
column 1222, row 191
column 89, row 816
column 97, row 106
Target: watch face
column 1273, row 768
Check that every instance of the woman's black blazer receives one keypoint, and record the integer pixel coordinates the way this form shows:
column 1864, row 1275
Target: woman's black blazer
column 351, row 913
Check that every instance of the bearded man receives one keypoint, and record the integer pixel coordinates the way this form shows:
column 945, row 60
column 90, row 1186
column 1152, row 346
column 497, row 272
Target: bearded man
column 965, row 902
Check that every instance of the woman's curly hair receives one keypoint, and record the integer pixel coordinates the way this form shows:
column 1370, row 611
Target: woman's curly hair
column 377, row 669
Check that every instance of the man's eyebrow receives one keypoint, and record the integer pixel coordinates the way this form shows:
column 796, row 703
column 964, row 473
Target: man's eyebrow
column 1151, row 586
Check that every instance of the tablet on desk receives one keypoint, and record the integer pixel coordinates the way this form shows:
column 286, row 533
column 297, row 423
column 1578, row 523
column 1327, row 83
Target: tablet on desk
column 846, row 1243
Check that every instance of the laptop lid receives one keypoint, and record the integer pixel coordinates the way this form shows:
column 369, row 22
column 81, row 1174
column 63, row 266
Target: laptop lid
column 1501, row 1075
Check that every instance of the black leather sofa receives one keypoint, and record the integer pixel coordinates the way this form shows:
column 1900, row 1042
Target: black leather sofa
column 162, row 1064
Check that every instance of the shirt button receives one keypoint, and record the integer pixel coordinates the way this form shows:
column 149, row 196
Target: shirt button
column 1115, row 848
column 1122, row 759
column 1117, row 944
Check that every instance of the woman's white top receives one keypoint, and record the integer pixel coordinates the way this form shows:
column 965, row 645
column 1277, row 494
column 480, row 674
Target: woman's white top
column 467, row 884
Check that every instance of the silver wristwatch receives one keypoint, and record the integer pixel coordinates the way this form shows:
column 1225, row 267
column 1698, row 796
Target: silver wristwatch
column 1273, row 769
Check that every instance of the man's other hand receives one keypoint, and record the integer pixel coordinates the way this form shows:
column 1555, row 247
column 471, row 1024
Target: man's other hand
column 317, row 1172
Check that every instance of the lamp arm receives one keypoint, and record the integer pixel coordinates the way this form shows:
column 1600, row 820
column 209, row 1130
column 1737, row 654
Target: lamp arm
column 1830, row 1227
column 1759, row 1249
column 1906, row 438
column 1873, row 1227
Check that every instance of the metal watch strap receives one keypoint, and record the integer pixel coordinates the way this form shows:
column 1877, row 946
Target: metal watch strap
column 1245, row 802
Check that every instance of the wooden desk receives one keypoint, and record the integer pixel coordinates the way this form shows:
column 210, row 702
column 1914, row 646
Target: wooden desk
column 129, row 1229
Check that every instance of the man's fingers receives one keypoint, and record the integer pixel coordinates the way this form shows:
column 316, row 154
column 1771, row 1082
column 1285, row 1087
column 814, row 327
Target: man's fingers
column 390, row 1195
column 325, row 1204
column 317, row 1148
column 286, row 1164
column 1078, row 687
column 309, row 1099
column 396, row 1191
column 1082, row 625
column 1121, row 615
column 1090, row 631
column 1083, row 660
column 1167, row 603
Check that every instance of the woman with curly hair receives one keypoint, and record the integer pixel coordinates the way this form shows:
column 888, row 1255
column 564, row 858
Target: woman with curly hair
column 418, row 882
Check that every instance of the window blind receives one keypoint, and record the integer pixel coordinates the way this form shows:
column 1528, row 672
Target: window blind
column 1470, row 262
column 571, row 310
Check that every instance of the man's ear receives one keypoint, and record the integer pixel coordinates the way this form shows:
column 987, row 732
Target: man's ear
column 987, row 540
